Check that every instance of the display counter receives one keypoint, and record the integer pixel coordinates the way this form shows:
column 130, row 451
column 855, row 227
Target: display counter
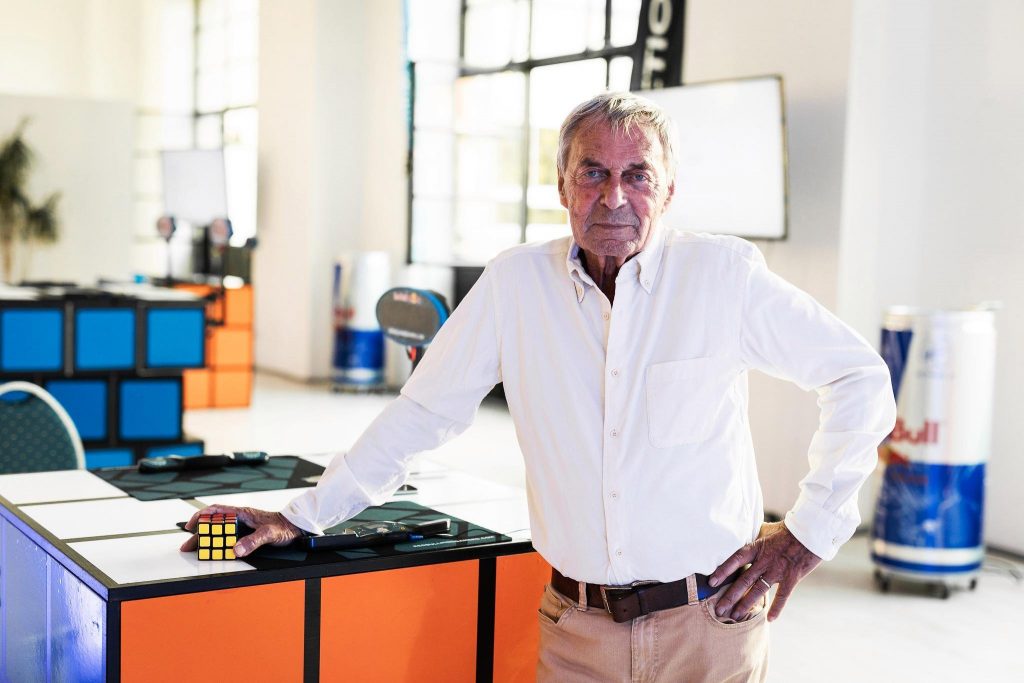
column 93, row 587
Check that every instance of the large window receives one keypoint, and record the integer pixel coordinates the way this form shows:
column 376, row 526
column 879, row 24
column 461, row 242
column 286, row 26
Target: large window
column 492, row 82
column 199, row 66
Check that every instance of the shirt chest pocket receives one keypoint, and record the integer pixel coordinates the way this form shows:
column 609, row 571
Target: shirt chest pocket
column 684, row 399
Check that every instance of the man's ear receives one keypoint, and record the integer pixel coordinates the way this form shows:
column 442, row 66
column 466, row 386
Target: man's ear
column 561, row 191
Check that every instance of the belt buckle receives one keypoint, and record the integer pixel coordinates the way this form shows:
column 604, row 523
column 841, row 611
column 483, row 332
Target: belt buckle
column 604, row 594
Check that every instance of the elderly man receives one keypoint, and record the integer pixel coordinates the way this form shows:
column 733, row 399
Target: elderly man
column 624, row 353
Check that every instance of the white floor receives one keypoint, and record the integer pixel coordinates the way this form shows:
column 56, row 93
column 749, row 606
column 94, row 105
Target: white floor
column 836, row 628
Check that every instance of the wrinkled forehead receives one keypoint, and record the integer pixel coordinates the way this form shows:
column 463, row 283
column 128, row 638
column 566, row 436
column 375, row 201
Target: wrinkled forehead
column 614, row 145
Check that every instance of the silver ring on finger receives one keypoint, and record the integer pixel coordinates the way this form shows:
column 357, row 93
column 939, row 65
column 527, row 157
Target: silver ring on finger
column 766, row 584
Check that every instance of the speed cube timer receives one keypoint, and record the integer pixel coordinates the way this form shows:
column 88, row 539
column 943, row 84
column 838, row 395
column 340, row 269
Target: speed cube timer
column 217, row 536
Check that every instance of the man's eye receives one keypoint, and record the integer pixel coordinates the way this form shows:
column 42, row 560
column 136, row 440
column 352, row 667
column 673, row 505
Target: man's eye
column 639, row 178
column 592, row 174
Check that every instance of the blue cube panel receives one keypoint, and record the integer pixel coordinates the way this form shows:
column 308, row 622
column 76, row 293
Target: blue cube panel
column 150, row 409
column 187, row 450
column 31, row 339
column 104, row 338
column 86, row 403
column 109, row 457
column 175, row 337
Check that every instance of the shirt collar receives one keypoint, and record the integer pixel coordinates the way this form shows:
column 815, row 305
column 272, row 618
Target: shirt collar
column 648, row 262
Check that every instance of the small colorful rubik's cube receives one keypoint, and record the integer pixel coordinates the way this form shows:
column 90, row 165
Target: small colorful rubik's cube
column 217, row 536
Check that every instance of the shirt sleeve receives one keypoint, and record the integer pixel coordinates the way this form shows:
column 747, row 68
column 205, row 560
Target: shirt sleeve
column 438, row 402
column 787, row 334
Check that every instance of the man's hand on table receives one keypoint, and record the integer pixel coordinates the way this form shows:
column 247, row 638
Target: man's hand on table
column 269, row 527
column 777, row 557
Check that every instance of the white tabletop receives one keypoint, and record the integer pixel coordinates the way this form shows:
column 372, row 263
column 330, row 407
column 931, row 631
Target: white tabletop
column 44, row 487
column 91, row 518
column 150, row 558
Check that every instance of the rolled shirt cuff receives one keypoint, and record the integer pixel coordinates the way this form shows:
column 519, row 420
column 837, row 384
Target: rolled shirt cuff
column 820, row 531
column 319, row 508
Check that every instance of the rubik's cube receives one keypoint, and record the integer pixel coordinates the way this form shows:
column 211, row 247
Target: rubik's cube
column 217, row 536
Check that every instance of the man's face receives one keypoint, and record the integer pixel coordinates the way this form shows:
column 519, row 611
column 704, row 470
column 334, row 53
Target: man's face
column 616, row 187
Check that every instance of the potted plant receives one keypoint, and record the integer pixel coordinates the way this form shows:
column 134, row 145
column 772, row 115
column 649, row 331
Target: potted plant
column 20, row 219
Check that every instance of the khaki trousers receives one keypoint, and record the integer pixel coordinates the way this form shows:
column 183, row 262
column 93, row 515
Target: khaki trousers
column 687, row 644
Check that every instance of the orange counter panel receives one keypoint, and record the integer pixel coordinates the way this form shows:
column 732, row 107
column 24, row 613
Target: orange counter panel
column 205, row 636
column 416, row 624
column 519, row 583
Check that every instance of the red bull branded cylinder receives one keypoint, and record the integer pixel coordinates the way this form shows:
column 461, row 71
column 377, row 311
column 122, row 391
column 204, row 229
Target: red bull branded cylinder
column 928, row 518
column 358, row 340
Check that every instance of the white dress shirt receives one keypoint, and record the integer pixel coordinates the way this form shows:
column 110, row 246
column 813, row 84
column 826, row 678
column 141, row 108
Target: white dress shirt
column 632, row 417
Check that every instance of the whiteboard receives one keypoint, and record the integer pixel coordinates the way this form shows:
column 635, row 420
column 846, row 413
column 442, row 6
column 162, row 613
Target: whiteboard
column 731, row 151
column 194, row 185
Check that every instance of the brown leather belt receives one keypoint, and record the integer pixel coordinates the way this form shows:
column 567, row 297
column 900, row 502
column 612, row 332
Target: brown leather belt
column 626, row 603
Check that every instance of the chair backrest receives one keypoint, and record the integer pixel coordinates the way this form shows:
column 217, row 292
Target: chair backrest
column 36, row 433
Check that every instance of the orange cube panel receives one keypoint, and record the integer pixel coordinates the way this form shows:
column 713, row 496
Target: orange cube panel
column 229, row 347
column 238, row 307
column 416, row 624
column 237, row 634
column 520, row 580
column 196, row 388
column 231, row 388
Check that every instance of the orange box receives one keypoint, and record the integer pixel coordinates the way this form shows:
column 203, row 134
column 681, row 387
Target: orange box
column 229, row 347
column 196, row 388
column 207, row 636
column 519, row 583
column 416, row 624
column 238, row 307
column 231, row 388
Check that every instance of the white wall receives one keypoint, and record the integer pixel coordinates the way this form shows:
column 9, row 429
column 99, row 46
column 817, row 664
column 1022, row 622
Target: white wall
column 807, row 42
column 332, row 165
column 83, row 149
column 933, row 203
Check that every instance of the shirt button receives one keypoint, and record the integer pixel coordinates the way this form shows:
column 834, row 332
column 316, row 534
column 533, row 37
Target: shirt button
column 647, row 283
column 606, row 316
column 619, row 553
column 614, row 432
column 615, row 372
column 615, row 494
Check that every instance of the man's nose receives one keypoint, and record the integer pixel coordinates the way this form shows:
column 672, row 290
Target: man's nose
column 612, row 194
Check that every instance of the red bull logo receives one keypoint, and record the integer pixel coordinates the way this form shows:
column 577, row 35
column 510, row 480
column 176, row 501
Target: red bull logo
column 927, row 434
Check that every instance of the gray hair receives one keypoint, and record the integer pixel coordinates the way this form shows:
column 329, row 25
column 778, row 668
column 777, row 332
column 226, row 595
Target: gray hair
column 625, row 112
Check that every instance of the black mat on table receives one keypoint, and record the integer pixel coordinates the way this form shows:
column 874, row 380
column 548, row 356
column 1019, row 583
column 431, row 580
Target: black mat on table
column 281, row 472
column 462, row 534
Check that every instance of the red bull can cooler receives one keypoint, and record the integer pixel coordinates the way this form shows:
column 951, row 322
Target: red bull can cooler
column 928, row 518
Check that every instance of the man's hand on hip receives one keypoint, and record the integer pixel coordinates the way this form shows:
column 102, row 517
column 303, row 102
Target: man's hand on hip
column 268, row 527
column 775, row 557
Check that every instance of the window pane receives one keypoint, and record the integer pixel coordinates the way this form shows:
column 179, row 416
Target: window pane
column 482, row 229
column 148, row 178
column 489, row 168
column 433, row 33
column 241, row 127
column 211, row 90
column 563, row 27
column 435, row 95
column 620, row 72
column 496, row 32
column 154, row 132
column 242, row 83
column 243, row 37
column 211, row 12
column 625, row 17
column 490, row 104
column 212, row 51
column 433, row 164
column 208, row 132
column 545, row 232
column 240, row 178
column 434, row 234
